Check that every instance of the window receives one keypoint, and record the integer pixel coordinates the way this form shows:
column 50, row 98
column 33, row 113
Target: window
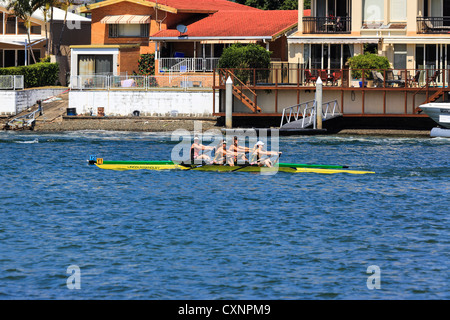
column 373, row 11
column 128, row 30
column 400, row 56
column 11, row 25
column 1, row 58
column 35, row 29
column 21, row 29
column 398, row 10
column 95, row 64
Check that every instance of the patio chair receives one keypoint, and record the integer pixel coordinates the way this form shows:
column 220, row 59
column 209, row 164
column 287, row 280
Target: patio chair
column 390, row 81
column 325, row 77
column 336, row 76
column 412, row 82
column 378, row 79
column 309, row 77
column 339, row 24
column 433, row 78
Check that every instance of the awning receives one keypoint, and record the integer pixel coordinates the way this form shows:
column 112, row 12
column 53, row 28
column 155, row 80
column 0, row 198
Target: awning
column 320, row 40
column 126, row 19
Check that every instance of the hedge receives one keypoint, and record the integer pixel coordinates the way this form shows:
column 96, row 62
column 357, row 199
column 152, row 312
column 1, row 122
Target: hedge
column 36, row 75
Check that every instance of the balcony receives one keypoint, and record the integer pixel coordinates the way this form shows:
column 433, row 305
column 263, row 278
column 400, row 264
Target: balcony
column 427, row 25
column 326, row 25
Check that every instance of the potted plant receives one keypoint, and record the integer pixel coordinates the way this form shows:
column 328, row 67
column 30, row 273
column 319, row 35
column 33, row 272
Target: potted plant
column 367, row 62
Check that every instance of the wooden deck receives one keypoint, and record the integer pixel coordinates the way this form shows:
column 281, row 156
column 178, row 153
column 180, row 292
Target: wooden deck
column 412, row 91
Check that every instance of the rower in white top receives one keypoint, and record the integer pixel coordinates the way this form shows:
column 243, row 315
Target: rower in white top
column 262, row 157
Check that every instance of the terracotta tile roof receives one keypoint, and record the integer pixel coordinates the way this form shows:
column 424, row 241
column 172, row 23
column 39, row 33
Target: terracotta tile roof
column 204, row 5
column 263, row 23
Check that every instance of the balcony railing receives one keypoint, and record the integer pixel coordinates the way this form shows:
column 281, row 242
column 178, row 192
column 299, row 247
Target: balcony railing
column 182, row 65
column 327, row 24
column 433, row 25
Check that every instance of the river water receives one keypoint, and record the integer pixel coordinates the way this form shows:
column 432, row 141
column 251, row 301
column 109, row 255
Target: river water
column 206, row 235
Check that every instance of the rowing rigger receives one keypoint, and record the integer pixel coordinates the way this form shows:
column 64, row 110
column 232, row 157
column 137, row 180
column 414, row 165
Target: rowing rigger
column 170, row 165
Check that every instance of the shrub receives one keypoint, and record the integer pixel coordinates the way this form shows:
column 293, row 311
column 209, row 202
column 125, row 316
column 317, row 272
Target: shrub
column 250, row 56
column 367, row 61
column 35, row 75
column 146, row 64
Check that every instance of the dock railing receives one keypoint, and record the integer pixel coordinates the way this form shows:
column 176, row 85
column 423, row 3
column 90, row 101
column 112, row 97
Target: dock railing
column 274, row 78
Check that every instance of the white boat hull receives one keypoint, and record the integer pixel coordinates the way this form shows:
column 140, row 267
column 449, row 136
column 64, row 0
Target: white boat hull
column 439, row 112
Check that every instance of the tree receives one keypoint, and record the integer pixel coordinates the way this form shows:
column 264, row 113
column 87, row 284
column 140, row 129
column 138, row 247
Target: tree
column 23, row 9
column 251, row 56
column 274, row 4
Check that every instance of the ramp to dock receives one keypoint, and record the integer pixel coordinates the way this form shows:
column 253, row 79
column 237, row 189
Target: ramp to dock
column 304, row 115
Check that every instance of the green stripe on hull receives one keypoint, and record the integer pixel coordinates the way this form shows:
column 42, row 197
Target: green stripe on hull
column 281, row 164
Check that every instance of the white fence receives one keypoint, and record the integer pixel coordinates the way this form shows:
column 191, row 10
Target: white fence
column 101, row 82
column 11, row 82
column 187, row 64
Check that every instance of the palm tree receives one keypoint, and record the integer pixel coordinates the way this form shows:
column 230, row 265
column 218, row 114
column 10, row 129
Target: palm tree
column 23, row 9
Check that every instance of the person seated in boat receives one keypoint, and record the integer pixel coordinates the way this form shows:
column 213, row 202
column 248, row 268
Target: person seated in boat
column 236, row 153
column 258, row 153
column 220, row 156
column 196, row 149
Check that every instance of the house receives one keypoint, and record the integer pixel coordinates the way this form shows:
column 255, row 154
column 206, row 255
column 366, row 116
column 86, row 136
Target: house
column 198, row 46
column 122, row 30
column 412, row 34
column 14, row 38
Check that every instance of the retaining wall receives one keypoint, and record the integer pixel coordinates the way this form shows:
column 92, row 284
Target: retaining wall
column 13, row 102
column 148, row 103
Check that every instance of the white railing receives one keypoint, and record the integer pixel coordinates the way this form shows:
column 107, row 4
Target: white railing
column 12, row 82
column 182, row 65
column 96, row 82
column 127, row 82
column 306, row 112
column 89, row 82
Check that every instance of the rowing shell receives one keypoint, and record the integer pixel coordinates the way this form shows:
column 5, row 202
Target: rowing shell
column 169, row 165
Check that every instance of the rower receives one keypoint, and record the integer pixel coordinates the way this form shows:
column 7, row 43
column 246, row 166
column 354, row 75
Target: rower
column 258, row 152
column 196, row 148
column 237, row 153
column 221, row 154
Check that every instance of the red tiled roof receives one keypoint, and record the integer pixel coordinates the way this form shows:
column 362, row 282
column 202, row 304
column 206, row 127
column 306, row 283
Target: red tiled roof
column 263, row 23
column 307, row 13
column 204, row 5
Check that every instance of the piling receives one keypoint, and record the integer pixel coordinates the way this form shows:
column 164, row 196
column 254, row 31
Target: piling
column 229, row 104
column 319, row 102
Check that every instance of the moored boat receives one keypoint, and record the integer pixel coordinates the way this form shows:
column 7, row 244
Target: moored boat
column 439, row 112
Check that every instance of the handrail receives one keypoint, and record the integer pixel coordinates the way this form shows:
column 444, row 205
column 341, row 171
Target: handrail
column 309, row 111
column 297, row 112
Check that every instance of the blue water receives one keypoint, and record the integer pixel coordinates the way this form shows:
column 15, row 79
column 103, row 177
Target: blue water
column 206, row 235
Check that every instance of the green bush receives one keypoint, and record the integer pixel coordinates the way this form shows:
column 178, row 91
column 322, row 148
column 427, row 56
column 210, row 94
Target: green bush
column 36, row 75
column 250, row 56
column 368, row 61
column 146, row 64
